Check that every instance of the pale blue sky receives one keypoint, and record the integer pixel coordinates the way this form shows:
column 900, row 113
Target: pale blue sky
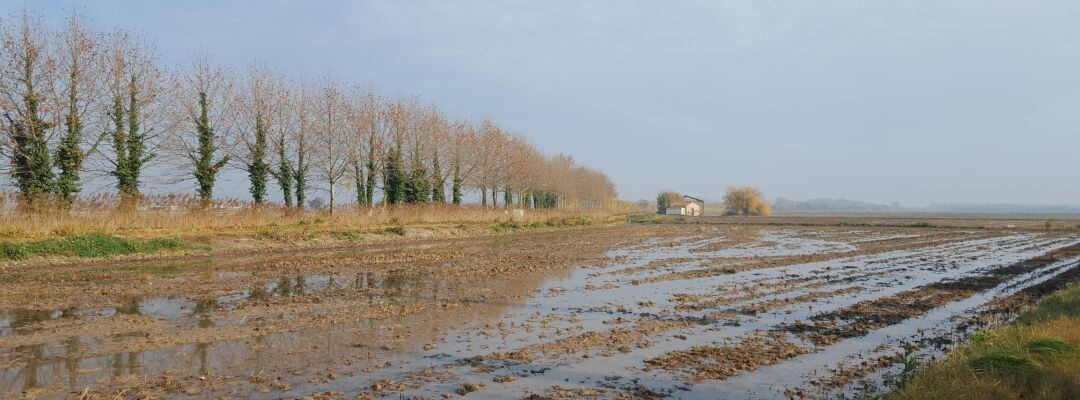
column 917, row 102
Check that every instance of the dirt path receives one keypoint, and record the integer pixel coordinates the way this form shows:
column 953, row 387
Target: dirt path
column 629, row 311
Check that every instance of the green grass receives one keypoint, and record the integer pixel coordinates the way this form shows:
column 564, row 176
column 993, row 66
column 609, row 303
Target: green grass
column 86, row 246
column 1063, row 303
column 1034, row 357
column 1048, row 347
column 1002, row 361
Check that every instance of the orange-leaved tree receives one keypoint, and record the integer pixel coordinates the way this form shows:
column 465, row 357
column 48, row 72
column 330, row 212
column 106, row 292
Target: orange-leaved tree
column 746, row 200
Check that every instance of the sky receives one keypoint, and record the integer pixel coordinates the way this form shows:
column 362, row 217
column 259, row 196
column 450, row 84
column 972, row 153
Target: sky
column 881, row 101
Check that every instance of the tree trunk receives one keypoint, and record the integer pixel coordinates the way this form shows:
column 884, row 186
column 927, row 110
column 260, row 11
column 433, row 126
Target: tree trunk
column 331, row 196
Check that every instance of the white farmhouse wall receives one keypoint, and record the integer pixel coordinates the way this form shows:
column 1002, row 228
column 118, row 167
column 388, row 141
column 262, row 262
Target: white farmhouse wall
column 675, row 210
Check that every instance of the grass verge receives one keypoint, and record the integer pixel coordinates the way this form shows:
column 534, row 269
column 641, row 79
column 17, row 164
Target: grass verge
column 277, row 221
column 86, row 246
column 1036, row 357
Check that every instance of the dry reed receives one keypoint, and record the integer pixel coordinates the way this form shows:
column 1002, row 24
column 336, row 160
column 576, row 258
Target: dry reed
column 183, row 215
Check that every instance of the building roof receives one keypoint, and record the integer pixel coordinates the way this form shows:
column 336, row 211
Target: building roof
column 693, row 198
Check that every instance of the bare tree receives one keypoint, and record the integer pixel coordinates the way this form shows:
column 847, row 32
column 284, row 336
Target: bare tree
column 302, row 106
column 136, row 86
column 461, row 139
column 365, row 141
column 284, row 127
column 203, row 119
column 263, row 132
column 80, row 72
column 331, row 138
column 27, row 86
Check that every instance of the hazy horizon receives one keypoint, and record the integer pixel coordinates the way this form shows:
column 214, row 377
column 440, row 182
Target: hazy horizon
column 918, row 103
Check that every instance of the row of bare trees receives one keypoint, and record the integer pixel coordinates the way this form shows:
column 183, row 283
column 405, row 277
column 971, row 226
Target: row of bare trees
column 81, row 104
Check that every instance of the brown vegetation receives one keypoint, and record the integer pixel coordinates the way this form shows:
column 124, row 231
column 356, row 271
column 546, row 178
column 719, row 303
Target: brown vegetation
column 746, row 200
column 185, row 215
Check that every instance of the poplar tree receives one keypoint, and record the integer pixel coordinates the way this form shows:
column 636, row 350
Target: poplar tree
column 31, row 162
column 418, row 184
column 69, row 155
column 358, row 175
column 266, row 101
column 284, row 173
column 394, row 176
column 257, row 167
column 32, row 165
column 136, row 138
column 137, row 88
column 438, row 190
column 206, row 169
column 81, row 62
column 369, row 192
column 129, row 143
column 119, row 142
column 457, row 183
column 300, row 173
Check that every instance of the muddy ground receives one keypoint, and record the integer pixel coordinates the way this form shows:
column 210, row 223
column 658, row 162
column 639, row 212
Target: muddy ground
column 706, row 310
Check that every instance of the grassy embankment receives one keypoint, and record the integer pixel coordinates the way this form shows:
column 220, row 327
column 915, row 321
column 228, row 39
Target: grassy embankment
column 87, row 246
column 105, row 233
column 1036, row 357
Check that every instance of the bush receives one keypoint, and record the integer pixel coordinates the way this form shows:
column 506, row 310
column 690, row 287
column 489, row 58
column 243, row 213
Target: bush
column 746, row 200
column 666, row 199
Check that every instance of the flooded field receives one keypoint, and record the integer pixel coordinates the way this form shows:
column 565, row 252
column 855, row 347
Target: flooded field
column 631, row 311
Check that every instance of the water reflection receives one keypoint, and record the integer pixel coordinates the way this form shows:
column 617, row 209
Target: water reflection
column 366, row 343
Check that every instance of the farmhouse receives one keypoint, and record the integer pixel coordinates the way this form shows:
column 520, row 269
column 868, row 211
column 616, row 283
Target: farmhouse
column 688, row 206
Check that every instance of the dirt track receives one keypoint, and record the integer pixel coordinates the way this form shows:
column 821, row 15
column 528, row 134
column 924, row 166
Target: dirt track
column 631, row 311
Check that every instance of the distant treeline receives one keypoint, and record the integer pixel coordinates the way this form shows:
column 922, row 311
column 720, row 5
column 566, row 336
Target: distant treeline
column 844, row 205
column 783, row 204
column 1001, row 208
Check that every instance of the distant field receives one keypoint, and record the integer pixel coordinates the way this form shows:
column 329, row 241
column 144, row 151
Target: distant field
column 933, row 214
column 945, row 220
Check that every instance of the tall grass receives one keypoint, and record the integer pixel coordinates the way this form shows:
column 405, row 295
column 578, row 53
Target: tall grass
column 181, row 215
column 1037, row 357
